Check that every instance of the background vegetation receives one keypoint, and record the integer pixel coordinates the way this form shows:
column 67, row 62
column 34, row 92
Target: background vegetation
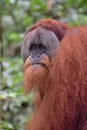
column 15, row 17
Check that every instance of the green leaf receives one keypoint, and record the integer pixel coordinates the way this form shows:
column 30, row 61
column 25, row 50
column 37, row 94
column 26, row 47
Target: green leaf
column 82, row 3
column 7, row 1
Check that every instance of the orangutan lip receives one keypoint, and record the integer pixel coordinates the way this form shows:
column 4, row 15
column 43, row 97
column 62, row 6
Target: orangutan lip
column 38, row 64
column 41, row 64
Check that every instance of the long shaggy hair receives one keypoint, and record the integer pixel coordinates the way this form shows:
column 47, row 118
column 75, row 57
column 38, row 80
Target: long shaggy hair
column 64, row 104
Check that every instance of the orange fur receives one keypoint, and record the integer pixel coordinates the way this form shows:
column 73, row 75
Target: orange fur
column 64, row 103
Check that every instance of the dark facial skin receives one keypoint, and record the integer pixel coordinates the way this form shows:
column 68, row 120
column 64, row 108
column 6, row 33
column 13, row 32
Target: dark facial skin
column 38, row 42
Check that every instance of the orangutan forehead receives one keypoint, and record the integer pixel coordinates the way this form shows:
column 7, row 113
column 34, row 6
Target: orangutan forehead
column 40, row 35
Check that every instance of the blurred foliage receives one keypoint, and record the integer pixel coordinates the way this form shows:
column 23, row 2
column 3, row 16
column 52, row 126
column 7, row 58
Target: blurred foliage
column 15, row 17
